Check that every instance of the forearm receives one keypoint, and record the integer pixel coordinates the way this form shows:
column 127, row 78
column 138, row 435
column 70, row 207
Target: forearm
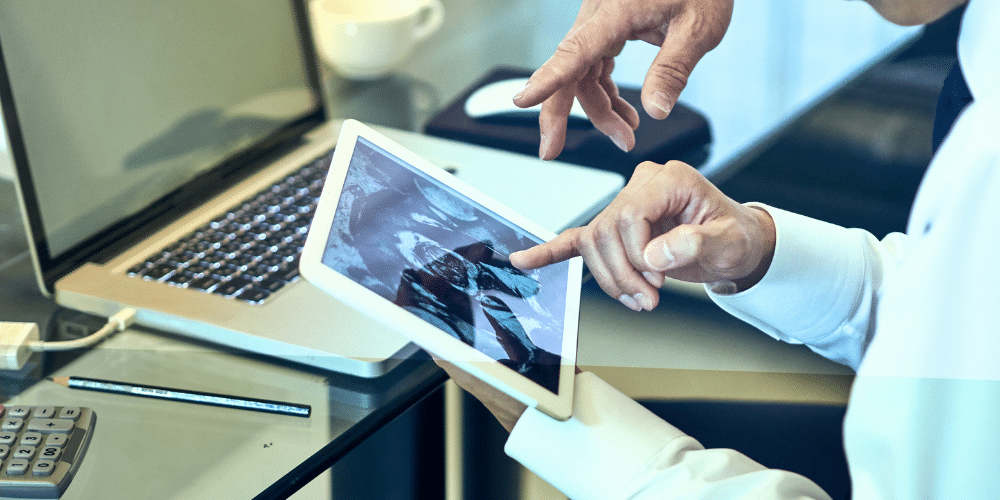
column 615, row 448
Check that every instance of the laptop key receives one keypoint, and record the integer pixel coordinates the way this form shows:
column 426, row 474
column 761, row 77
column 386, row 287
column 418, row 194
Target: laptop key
column 225, row 270
column 233, row 286
column 258, row 272
column 180, row 278
column 288, row 272
column 138, row 268
column 158, row 272
column 254, row 295
column 197, row 269
column 205, row 283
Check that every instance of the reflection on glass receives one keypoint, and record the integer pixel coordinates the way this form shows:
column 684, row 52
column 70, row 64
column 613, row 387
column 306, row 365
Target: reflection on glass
column 444, row 258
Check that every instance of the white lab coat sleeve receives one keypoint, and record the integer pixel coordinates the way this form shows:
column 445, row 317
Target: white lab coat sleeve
column 822, row 287
column 614, row 448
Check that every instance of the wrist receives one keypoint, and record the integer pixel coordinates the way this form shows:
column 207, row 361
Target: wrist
column 763, row 238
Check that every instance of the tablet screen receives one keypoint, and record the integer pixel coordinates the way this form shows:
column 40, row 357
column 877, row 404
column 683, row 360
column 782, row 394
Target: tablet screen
column 443, row 257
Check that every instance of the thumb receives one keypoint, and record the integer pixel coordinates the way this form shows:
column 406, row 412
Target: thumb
column 686, row 41
column 678, row 248
column 715, row 250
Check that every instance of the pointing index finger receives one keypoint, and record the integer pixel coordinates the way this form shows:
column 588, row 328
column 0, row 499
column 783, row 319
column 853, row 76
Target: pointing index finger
column 558, row 249
column 579, row 50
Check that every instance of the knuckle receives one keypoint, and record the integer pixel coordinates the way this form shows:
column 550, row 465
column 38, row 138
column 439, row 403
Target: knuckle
column 675, row 164
column 573, row 45
column 678, row 167
column 584, row 237
column 602, row 233
column 629, row 214
column 645, row 169
column 679, row 174
column 674, row 73
column 690, row 234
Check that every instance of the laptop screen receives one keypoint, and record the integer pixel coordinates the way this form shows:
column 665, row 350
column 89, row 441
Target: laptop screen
column 120, row 102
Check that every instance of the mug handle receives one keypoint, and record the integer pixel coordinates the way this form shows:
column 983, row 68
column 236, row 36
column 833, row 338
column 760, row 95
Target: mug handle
column 432, row 18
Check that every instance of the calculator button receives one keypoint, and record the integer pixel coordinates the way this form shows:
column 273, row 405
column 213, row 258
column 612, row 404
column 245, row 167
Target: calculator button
column 40, row 452
column 25, row 452
column 17, row 467
column 43, row 468
column 70, row 412
column 50, row 425
column 45, row 412
column 31, row 439
column 12, row 424
column 58, row 440
column 18, row 411
column 50, row 453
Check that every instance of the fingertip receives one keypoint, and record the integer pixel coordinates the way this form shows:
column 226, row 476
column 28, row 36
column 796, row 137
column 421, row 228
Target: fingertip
column 543, row 147
column 654, row 278
column 552, row 127
column 679, row 247
column 520, row 95
column 524, row 259
column 620, row 133
column 517, row 259
column 658, row 105
column 658, row 256
column 549, row 147
column 639, row 301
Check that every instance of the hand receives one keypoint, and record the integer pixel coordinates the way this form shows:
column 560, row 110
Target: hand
column 506, row 409
column 667, row 221
column 581, row 66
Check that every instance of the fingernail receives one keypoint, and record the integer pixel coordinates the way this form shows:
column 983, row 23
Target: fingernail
column 619, row 140
column 663, row 103
column 659, row 257
column 543, row 146
column 653, row 279
column 521, row 93
column 629, row 302
column 645, row 302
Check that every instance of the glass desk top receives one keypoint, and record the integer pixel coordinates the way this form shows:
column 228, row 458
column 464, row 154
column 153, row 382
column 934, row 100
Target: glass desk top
column 219, row 452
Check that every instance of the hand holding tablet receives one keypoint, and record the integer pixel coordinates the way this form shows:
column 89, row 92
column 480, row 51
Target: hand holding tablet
column 411, row 246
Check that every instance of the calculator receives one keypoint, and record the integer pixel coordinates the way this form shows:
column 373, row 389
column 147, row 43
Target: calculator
column 41, row 448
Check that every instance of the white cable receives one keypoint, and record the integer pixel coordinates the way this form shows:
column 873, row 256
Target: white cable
column 116, row 323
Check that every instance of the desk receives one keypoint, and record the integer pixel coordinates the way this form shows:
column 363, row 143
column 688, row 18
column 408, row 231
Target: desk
column 162, row 449
column 686, row 349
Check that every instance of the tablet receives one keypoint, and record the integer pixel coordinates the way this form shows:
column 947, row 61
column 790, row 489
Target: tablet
column 418, row 250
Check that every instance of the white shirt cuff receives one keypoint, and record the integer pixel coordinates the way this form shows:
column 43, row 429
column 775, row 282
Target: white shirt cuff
column 811, row 285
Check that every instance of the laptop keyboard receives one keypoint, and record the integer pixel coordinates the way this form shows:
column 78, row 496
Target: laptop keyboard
column 252, row 250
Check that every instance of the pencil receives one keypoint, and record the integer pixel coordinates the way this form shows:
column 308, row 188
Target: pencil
column 204, row 398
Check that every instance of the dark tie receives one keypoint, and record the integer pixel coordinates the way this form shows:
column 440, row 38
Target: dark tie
column 955, row 96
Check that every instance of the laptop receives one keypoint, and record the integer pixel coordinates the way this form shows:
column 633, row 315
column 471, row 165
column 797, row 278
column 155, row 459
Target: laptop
column 168, row 158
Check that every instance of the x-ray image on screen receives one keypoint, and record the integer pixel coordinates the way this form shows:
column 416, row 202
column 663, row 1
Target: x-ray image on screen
column 444, row 258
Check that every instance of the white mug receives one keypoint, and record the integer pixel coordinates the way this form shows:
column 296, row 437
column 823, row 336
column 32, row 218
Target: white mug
column 368, row 39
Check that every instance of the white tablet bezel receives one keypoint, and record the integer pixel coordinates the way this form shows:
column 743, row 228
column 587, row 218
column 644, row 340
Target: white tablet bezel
column 411, row 326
